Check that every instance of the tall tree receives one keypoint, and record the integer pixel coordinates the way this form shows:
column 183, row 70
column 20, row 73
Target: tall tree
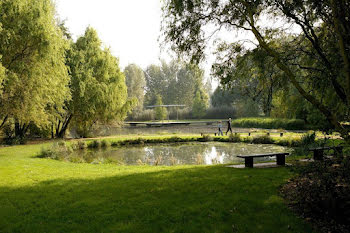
column 98, row 86
column 161, row 112
column 322, row 77
column 135, row 82
column 34, row 78
column 177, row 82
column 221, row 97
column 200, row 104
column 254, row 75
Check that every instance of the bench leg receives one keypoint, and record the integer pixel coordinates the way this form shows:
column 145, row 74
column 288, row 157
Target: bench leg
column 281, row 160
column 248, row 162
column 318, row 155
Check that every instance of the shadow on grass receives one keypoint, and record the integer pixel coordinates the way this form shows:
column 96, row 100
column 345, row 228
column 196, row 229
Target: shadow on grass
column 203, row 199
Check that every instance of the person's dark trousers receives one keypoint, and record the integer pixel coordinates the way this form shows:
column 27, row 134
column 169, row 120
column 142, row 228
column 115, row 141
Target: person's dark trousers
column 229, row 129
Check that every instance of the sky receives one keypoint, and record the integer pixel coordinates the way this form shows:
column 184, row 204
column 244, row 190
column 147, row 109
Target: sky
column 130, row 28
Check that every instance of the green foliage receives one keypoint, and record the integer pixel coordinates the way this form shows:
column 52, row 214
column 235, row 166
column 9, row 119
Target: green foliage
column 135, row 81
column 81, row 145
column 234, row 138
column 94, row 144
column 246, row 108
column 314, row 61
column 262, row 140
column 98, row 86
column 269, row 123
column 321, row 192
column 252, row 77
column 200, row 104
column 105, row 143
column 222, row 97
column 306, row 142
column 33, row 76
column 145, row 115
column 308, row 139
column 289, row 104
column 176, row 82
column 57, row 151
column 220, row 112
column 160, row 112
column 205, row 138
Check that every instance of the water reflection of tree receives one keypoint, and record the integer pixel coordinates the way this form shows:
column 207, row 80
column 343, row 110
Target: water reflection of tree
column 179, row 154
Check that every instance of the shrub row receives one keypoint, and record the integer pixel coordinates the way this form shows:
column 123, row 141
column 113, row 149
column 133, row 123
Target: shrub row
column 270, row 123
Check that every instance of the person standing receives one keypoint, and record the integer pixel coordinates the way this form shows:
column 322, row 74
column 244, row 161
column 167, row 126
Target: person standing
column 229, row 125
column 220, row 126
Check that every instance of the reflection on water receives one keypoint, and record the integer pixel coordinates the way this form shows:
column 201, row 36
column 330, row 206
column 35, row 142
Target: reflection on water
column 174, row 154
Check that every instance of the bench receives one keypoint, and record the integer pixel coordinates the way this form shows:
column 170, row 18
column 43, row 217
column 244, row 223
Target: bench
column 318, row 151
column 248, row 159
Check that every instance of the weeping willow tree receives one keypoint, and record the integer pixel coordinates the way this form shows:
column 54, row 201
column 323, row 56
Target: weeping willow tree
column 33, row 76
column 99, row 92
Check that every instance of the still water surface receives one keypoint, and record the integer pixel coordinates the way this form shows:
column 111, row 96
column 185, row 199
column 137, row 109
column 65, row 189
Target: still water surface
column 175, row 154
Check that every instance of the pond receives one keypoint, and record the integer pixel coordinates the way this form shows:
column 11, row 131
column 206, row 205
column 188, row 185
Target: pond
column 177, row 154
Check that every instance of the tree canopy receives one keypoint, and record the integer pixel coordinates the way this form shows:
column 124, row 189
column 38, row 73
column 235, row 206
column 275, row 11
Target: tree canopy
column 176, row 82
column 136, row 83
column 314, row 58
column 99, row 92
column 33, row 75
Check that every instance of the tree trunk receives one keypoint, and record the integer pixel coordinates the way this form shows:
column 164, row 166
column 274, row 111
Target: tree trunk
column 60, row 133
column 21, row 130
column 3, row 121
column 268, row 103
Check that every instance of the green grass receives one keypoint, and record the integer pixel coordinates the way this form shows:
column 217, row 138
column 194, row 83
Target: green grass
column 44, row 195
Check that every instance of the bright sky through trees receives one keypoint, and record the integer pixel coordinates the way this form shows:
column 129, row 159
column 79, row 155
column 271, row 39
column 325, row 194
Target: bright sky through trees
column 129, row 27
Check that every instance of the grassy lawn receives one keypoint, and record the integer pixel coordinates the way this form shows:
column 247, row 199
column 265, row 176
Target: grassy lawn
column 43, row 195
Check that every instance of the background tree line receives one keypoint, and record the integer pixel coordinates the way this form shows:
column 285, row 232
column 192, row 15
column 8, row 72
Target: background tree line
column 173, row 83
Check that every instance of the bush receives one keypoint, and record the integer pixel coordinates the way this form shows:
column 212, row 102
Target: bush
column 180, row 114
column 304, row 144
column 205, row 138
column 262, row 140
column 10, row 137
column 321, row 191
column 94, row 144
column 59, row 151
column 36, row 132
column 145, row 115
column 81, row 145
column 234, row 138
column 308, row 139
column 269, row 123
column 105, row 143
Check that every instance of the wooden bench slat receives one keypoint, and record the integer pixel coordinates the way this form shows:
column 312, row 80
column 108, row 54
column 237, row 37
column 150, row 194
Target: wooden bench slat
column 249, row 159
column 262, row 155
